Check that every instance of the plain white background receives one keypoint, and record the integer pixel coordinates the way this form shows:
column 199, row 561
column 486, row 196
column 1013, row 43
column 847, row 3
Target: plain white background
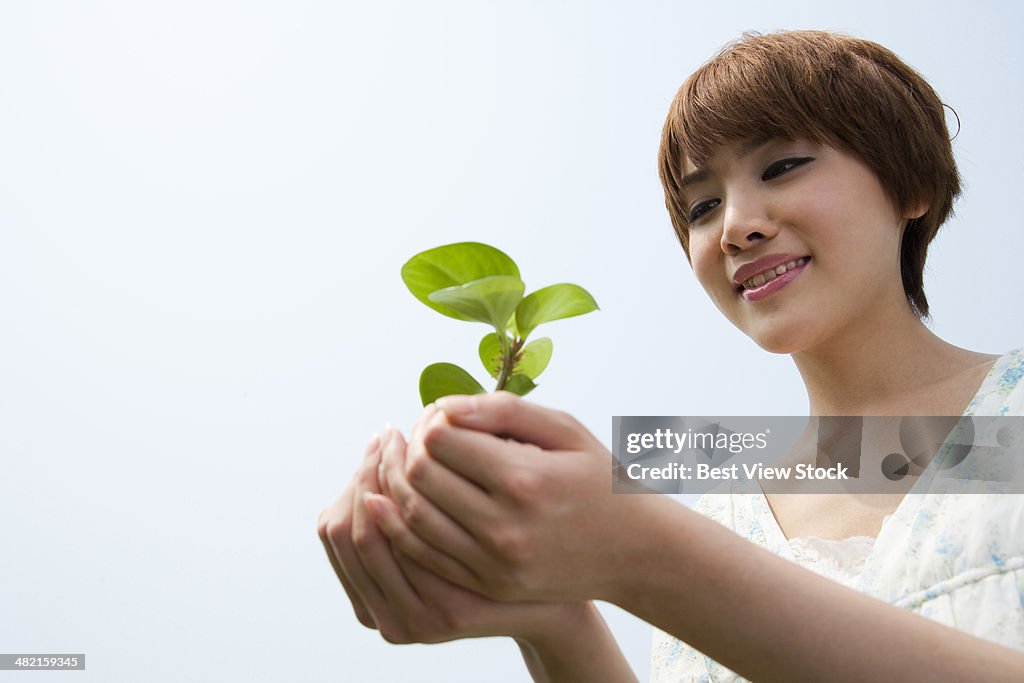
column 204, row 207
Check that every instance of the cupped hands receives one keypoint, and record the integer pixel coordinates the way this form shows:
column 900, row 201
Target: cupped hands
column 511, row 500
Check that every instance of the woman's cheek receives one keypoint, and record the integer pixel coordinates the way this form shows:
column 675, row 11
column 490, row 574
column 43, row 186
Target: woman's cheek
column 710, row 272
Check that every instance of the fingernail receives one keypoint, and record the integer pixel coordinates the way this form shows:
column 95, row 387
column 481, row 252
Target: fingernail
column 373, row 444
column 457, row 405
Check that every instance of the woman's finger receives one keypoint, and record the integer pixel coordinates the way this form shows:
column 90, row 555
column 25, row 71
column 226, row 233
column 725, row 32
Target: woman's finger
column 479, row 457
column 325, row 530
column 506, row 414
column 336, row 534
column 372, row 547
column 386, row 515
column 436, row 525
column 428, row 412
column 411, row 465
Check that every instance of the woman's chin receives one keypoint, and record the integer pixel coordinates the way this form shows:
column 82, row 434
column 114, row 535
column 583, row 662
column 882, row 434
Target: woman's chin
column 781, row 341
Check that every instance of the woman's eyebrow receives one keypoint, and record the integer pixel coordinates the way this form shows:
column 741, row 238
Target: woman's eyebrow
column 694, row 177
column 751, row 146
column 744, row 150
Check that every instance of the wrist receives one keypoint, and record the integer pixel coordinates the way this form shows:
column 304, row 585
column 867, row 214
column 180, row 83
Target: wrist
column 574, row 645
column 639, row 538
column 562, row 621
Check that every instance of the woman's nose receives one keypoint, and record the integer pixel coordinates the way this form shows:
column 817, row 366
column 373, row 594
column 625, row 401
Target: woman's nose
column 745, row 225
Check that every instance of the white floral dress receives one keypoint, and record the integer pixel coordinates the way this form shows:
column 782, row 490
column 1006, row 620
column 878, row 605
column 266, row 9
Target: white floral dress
column 955, row 558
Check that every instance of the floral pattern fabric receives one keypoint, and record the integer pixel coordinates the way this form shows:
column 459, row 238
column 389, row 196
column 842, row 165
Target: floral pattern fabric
column 956, row 558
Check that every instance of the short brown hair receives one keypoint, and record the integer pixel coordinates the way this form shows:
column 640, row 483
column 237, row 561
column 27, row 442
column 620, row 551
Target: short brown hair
column 831, row 89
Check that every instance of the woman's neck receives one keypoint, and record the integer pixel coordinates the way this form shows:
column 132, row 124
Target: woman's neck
column 895, row 367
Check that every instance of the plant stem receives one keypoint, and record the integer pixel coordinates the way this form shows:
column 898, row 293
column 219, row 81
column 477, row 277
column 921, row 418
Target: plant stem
column 508, row 362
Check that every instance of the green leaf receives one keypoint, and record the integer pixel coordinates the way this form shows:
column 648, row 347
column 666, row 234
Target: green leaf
column 445, row 379
column 534, row 358
column 487, row 300
column 512, row 328
column 490, row 353
column 453, row 265
column 520, row 384
column 552, row 303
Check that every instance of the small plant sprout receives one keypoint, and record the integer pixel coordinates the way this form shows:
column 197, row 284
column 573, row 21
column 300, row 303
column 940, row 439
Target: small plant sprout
column 476, row 282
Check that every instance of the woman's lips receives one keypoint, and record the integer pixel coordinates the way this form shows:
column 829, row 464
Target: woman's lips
column 772, row 286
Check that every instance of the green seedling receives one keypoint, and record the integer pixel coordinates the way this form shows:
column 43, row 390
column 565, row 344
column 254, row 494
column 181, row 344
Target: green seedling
column 478, row 283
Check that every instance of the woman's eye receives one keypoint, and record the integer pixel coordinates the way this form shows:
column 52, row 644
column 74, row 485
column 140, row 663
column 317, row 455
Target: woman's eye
column 784, row 165
column 702, row 208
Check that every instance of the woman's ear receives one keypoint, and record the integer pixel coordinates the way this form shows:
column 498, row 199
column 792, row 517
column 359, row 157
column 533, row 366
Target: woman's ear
column 915, row 210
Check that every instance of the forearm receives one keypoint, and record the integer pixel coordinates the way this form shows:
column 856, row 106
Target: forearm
column 768, row 619
column 577, row 648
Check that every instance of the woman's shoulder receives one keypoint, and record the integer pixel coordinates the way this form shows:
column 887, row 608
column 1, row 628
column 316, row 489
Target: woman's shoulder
column 1002, row 391
column 741, row 507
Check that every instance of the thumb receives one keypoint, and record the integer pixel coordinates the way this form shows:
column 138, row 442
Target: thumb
column 504, row 414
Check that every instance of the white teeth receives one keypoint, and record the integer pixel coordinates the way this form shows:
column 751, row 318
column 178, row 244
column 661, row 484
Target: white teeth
column 773, row 273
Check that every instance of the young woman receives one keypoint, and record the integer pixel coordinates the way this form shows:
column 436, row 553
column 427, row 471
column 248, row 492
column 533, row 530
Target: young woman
column 805, row 174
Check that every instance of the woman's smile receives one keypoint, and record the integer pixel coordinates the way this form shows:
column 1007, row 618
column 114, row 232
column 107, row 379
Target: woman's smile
column 772, row 273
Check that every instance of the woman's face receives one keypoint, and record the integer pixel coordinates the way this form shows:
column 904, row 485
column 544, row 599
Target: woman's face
column 794, row 241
